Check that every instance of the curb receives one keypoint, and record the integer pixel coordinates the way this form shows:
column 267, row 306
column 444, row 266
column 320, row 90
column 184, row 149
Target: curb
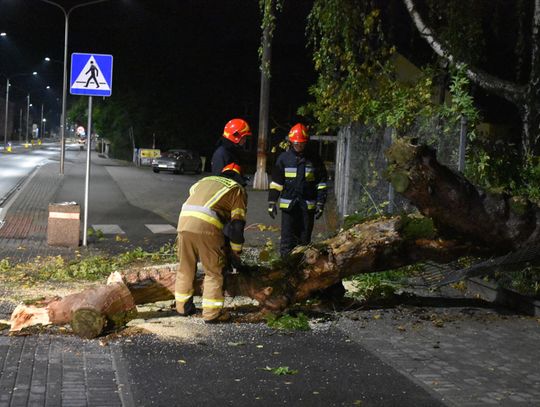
column 18, row 187
column 121, row 369
column 503, row 296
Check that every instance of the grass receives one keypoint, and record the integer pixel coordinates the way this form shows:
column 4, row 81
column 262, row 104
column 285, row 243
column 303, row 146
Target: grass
column 91, row 268
column 526, row 281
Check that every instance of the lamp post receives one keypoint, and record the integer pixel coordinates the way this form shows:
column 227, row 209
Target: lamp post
column 64, row 86
column 40, row 135
column 8, row 84
column 20, row 124
column 27, row 116
column 28, row 105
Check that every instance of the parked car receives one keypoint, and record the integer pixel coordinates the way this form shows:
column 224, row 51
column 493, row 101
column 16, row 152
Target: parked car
column 178, row 161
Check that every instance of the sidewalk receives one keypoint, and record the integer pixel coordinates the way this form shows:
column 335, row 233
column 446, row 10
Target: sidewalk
column 23, row 235
column 434, row 349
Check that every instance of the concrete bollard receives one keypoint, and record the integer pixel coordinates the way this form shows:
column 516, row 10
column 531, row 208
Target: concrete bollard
column 63, row 228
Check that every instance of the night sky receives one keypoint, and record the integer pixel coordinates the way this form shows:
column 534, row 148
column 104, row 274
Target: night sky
column 193, row 63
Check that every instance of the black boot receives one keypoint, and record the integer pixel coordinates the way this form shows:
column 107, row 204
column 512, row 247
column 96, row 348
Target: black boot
column 189, row 308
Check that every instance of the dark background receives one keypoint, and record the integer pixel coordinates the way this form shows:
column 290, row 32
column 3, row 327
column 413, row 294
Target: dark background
column 189, row 65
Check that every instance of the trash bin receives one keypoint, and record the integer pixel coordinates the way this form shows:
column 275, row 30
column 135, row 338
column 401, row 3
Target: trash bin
column 63, row 228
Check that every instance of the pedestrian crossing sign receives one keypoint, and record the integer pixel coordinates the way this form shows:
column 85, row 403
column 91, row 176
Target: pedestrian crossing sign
column 91, row 74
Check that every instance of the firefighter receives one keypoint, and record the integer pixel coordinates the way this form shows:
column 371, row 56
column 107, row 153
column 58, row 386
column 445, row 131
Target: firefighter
column 213, row 202
column 234, row 137
column 298, row 187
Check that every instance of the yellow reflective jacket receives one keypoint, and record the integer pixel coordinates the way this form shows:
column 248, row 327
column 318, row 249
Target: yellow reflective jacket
column 213, row 202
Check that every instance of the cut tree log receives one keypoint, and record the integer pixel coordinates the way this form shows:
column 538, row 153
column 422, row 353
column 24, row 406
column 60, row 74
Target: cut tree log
column 470, row 220
column 88, row 312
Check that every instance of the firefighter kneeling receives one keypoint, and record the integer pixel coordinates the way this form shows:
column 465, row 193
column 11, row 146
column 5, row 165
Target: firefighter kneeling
column 213, row 202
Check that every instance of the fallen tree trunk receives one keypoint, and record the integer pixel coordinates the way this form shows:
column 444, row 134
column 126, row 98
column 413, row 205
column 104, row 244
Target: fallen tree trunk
column 459, row 210
column 498, row 221
column 365, row 248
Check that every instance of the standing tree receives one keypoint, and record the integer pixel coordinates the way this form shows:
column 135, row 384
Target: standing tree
column 354, row 47
column 524, row 95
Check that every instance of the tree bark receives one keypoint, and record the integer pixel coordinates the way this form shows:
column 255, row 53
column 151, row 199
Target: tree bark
column 88, row 312
column 459, row 209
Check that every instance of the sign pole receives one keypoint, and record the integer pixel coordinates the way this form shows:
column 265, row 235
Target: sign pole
column 87, row 178
column 91, row 75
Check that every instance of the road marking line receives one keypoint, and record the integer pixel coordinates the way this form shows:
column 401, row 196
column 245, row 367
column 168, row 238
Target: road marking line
column 161, row 228
column 109, row 229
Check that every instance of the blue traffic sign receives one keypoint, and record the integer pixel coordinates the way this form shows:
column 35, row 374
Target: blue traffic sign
column 91, row 74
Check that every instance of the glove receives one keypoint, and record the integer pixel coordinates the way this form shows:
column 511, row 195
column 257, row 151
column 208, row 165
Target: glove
column 236, row 261
column 272, row 209
column 319, row 211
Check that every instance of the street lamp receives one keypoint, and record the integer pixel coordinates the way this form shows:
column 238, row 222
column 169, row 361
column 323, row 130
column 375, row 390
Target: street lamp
column 3, row 34
column 47, row 59
column 64, row 86
column 27, row 117
column 42, row 127
column 29, row 105
column 7, row 103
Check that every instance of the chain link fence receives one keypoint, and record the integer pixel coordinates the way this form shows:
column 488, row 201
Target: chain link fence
column 360, row 187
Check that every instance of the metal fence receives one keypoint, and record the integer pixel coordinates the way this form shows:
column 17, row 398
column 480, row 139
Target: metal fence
column 360, row 186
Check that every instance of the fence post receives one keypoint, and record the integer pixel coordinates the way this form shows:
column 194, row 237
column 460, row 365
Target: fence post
column 462, row 143
column 387, row 142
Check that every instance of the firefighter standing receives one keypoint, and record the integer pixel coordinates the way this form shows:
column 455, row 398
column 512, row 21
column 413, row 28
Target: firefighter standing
column 213, row 202
column 234, row 136
column 299, row 188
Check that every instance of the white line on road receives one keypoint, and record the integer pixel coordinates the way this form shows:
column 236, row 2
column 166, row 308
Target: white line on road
column 109, row 229
column 161, row 229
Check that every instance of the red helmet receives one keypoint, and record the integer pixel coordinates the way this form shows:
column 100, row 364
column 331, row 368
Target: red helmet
column 236, row 129
column 234, row 171
column 232, row 167
column 298, row 134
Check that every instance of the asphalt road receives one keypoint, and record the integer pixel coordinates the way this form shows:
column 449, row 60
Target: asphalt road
column 15, row 167
column 229, row 365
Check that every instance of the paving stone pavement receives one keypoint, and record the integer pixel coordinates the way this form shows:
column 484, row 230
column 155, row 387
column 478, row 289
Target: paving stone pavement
column 52, row 370
column 470, row 356
column 24, row 233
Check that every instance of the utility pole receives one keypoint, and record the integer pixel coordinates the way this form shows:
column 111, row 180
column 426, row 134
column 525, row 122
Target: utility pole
column 261, row 177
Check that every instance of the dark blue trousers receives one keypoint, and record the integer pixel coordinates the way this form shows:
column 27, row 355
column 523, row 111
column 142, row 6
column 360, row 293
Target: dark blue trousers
column 296, row 227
